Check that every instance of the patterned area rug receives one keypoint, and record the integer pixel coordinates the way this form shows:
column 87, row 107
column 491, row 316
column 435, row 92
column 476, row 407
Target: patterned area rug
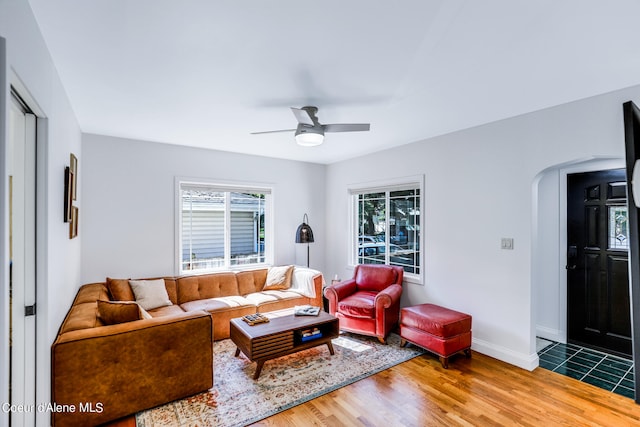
column 237, row 400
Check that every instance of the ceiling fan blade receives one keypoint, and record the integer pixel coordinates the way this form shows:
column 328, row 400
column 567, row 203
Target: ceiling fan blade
column 302, row 116
column 273, row 131
column 347, row 127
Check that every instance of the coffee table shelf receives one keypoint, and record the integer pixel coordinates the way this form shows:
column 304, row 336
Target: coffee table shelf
column 281, row 336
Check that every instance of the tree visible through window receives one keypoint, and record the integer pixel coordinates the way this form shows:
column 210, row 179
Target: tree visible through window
column 222, row 228
column 388, row 227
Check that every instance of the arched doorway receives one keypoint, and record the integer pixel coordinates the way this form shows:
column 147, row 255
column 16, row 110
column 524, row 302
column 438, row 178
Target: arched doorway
column 549, row 243
column 549, row 247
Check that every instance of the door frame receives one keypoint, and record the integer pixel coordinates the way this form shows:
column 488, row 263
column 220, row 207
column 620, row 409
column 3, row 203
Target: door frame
column 23, row 168
column 556, row 271
column 8, row 79
column 4, row 234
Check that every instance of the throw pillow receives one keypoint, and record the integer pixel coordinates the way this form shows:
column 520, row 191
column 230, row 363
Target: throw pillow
column 278, row 278
column 150, row 294
column 114, row 312
column 120, row 290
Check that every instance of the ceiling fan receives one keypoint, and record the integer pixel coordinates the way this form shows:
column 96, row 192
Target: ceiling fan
column 310, row 132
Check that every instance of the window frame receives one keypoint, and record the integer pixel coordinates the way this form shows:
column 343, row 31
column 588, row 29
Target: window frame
column 388, row 185
column 226, row 187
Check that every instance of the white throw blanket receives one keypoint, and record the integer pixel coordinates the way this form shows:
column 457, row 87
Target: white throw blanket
column 302, row 281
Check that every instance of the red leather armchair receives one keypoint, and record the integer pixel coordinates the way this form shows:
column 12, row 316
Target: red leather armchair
column 369, row 303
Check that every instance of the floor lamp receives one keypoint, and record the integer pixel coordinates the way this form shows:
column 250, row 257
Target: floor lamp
column 304, row 234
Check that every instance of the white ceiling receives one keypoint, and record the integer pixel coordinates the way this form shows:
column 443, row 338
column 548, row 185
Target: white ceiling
column 206, row 73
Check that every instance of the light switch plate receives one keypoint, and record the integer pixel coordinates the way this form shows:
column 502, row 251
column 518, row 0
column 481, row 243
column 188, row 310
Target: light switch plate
column 506, row 243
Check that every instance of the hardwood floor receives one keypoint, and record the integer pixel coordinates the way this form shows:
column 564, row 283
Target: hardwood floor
column 480, row 391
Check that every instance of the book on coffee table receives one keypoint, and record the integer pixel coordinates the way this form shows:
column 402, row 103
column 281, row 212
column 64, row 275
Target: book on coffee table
column 310, row 334
column 306, row 310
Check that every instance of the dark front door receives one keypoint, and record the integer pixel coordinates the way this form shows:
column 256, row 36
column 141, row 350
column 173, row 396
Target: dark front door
column 598, row 307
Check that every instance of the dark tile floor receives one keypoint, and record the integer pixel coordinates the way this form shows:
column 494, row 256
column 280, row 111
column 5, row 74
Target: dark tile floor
column 590, row 366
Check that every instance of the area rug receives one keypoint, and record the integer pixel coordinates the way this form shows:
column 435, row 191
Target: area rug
column 237, row 400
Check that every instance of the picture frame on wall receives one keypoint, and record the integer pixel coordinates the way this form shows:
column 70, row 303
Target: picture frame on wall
column 68, row 193
column 73, row 225
column 73, row 165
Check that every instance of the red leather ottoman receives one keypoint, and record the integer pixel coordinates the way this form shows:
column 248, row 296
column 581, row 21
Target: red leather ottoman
column 437, row 329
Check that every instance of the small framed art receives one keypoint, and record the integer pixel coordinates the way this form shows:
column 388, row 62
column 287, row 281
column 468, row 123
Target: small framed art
column 68, row 193
column 73, row 165
column 73, row 225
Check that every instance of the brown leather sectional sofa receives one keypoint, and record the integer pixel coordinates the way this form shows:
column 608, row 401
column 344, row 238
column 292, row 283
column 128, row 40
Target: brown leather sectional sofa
column 104, row 372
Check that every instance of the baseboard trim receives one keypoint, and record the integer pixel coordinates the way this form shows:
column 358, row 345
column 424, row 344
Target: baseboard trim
column 550, row 334
column 521, row 360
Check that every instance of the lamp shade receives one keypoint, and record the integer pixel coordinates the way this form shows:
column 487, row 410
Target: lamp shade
column 304, row 234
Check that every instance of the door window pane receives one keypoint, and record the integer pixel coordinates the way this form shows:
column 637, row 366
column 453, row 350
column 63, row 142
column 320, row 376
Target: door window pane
column 618, row 231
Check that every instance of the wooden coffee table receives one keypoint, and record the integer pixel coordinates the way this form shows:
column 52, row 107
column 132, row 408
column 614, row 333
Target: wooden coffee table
column 282, row 335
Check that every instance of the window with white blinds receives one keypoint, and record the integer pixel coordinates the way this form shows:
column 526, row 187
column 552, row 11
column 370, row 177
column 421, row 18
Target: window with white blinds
column 223, row 227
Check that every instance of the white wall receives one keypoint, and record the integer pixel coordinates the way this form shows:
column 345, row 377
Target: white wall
column 479, row 187
column 29, row 66
column 128, row 215
column 549, row 296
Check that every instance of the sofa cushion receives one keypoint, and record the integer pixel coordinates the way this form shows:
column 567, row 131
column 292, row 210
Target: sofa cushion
column 115, row 312
column 251, row 281
column 170, row 284
column 150, row 294
column 359, row 304
column 213, row 304
column 263, row 297
column 120, row 290
column 167, row 310
column 214, row 285
column 187, row 289
column 278, row 278
column 218, row 285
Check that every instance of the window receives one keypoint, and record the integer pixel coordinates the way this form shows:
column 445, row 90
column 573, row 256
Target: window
column 223, row 227
column 387, row 226
column 618, row 227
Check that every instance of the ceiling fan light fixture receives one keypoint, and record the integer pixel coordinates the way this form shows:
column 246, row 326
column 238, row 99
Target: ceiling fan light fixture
column 310, row 132
column 309, row 139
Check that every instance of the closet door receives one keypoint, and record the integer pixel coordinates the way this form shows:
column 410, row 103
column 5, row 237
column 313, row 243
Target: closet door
column 22, row 253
